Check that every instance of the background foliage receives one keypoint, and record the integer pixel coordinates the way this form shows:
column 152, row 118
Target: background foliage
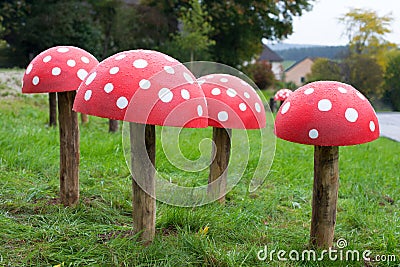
column 229, row 31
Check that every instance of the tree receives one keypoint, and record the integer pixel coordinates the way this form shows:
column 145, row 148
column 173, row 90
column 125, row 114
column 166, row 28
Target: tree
column 365, row 30
column 364, row 73
column 325, row 69
column 193, row 36
column 261, row 73
column 239, row 25
column 392, row 81
column 33, row 26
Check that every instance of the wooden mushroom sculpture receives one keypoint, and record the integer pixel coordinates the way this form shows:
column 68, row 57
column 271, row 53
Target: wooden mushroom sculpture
column 282, row 95
column 232, row 104
column 61, row 69
column 145, row 88
column 326, row 114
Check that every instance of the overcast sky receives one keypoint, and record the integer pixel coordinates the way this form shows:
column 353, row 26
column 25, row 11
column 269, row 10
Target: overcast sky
column 320, row 26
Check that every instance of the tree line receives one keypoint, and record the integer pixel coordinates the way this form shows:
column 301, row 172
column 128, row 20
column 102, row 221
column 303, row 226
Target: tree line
column 228, row 32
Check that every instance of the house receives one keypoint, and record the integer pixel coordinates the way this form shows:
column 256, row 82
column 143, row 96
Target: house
column 274, row 59
column 297, row 73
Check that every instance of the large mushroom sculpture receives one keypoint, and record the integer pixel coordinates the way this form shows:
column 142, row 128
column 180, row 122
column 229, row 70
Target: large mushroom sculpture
column 232, row 104
column 145, row 88
column 326, row 114
column 282, row 95
column 61, row 70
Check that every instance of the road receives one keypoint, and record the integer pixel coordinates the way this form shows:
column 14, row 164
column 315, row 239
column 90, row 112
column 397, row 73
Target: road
column 389, row 123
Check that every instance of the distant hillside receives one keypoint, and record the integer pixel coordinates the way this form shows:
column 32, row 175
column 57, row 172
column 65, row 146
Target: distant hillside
column 298, row 53
column 283, row 46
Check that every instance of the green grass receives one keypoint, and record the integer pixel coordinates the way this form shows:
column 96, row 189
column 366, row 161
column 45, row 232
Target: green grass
column 36, row 231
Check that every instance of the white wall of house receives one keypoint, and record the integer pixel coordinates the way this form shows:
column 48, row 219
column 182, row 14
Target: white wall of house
column 277, row 69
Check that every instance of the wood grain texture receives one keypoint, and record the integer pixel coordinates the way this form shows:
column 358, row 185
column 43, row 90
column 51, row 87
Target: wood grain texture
column 69, row 149
column 325, row 194
column 143, row 151
column 219, row 166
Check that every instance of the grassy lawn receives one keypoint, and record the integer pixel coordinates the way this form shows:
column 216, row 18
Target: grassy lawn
column 36, row 231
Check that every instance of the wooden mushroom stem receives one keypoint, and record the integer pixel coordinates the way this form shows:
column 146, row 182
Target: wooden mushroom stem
column 112, row 126
column 84, row 118
column 325, row 194
column 53, row 109
column 219, row 165
column 143, row 151
column 69, row 149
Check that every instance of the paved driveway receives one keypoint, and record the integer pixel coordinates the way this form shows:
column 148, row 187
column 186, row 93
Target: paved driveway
column 389, row 123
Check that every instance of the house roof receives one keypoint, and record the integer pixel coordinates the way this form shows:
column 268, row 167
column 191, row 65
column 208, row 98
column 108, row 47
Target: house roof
column 269, row 55
column 297, row 63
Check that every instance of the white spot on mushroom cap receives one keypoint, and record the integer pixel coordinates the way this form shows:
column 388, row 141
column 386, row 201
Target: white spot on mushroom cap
column 209, row 76
column 246, row 95
column 56, row 71
column 169, row 69
column 188, row 78
column 165, row 95
column 324, row 105
column 71, row 62
column 199, row 110
column 224, row 80
column 35, row 80
column 114, row 70
column 200, row 82
column 119, row 57
column 144, row 84
column 85, row 59
column 170, row 59
column 342, row 90
column 46, row 59
column 88, row 95
column 351, row 115
column 313, row 134
column 231, row 92
column 108, row 88
column 90, row 79
column 258, row 107
column 216, row 91
column 222, row 116
column 82, row 74
column 372, row 126
column 361, row 96
column 242, row 106
column 29, row 69
column 185, row 94
column 62, row 49
column 309, row 91
column 122, row 102
column 140, row 63
column 285, row 108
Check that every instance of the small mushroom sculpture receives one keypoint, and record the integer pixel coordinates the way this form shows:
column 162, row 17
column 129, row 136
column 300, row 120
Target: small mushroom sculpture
column 326, row 114
column 61, row 69
column 145, row 88
column 282, row 95
column 232, row 104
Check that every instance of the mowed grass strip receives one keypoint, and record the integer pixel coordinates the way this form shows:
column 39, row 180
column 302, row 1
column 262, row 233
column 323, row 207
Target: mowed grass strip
column 36, row 230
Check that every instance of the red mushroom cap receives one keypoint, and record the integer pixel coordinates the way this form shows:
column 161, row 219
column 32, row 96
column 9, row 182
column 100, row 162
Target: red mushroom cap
column 57, row 69
column 143, row 86
column 232, row 102
column 327, row 113
column 282, row 94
